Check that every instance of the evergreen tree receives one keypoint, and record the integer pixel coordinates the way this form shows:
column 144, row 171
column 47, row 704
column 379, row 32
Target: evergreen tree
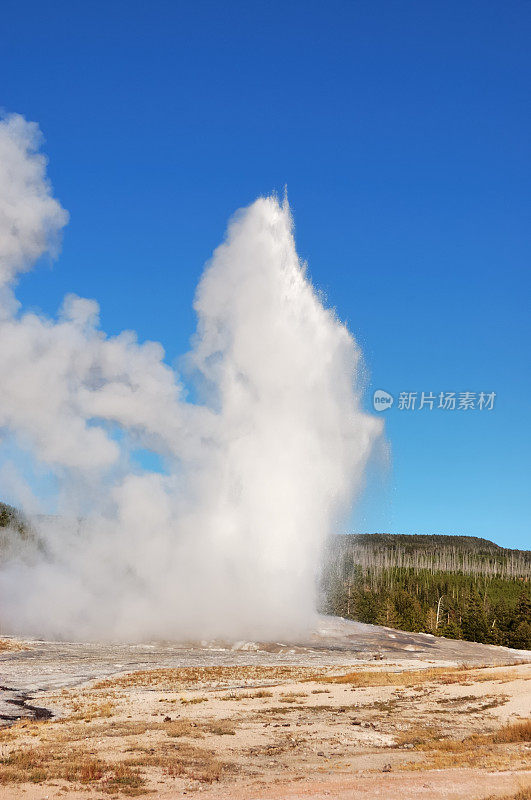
column 409, row 610
column 474, row 624
column 431, row 620
column 388, row 615
column 451, row 630
column 366, row 607
column 520, row 635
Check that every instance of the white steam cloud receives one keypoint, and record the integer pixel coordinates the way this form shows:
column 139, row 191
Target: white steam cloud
column 225, row 541
column 30, row 218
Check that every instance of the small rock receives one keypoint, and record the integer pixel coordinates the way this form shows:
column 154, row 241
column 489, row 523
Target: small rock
column 167, row 719
column 386, row 768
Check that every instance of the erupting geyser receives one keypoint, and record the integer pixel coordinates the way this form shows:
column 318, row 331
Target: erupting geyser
column 226, row 540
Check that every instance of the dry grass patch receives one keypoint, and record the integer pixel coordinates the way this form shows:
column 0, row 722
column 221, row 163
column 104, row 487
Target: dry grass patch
column 68, row 754
column 478, row 750
column 418, row 736
column 89, row 710
column 384, row 706
column 522, row 794
column 190, row 701
column 183, row 727
column 183, row 760
column 222, row 727
column 12, row 644
column 463, row 675
column 293, row 697
column 476, row 758
column 124, row 779
column 489, row 702
column 189, row 677
column 196, row 730
column 236, row 696
column 457, row 701
column 33, row 765
column 514, row 732
column 471, row 704
column 118, row 729
column 426, row 737
column 280, row 710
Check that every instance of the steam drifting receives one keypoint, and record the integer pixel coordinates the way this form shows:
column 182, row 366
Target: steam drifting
column 225, row 541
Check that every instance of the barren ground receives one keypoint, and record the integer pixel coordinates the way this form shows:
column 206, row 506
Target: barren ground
column 355, row 712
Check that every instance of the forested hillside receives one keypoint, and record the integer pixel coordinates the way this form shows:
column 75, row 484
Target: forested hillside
column 456, row 586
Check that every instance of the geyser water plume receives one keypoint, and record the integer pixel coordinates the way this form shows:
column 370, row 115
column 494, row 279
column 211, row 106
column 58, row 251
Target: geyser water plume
column 226, row 540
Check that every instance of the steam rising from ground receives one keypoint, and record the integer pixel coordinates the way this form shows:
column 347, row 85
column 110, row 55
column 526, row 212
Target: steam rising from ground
column 226, row 540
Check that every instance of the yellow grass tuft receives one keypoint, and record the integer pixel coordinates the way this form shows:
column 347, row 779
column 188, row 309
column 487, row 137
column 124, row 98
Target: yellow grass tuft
column 12, row 644
column 514, row 732
column 190, row 701
column 183, row 727
column 89, row 711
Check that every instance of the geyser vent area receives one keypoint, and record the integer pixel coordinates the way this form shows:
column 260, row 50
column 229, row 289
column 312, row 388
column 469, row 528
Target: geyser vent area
column 226, row 540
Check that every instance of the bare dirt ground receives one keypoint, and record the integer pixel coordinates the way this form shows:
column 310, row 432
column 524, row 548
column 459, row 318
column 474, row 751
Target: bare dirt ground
column 358, row 712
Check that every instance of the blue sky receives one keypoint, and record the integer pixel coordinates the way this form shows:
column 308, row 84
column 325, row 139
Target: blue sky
column 402, row 131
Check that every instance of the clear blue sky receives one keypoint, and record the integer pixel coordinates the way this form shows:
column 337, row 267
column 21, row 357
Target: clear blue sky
column 402, row 130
